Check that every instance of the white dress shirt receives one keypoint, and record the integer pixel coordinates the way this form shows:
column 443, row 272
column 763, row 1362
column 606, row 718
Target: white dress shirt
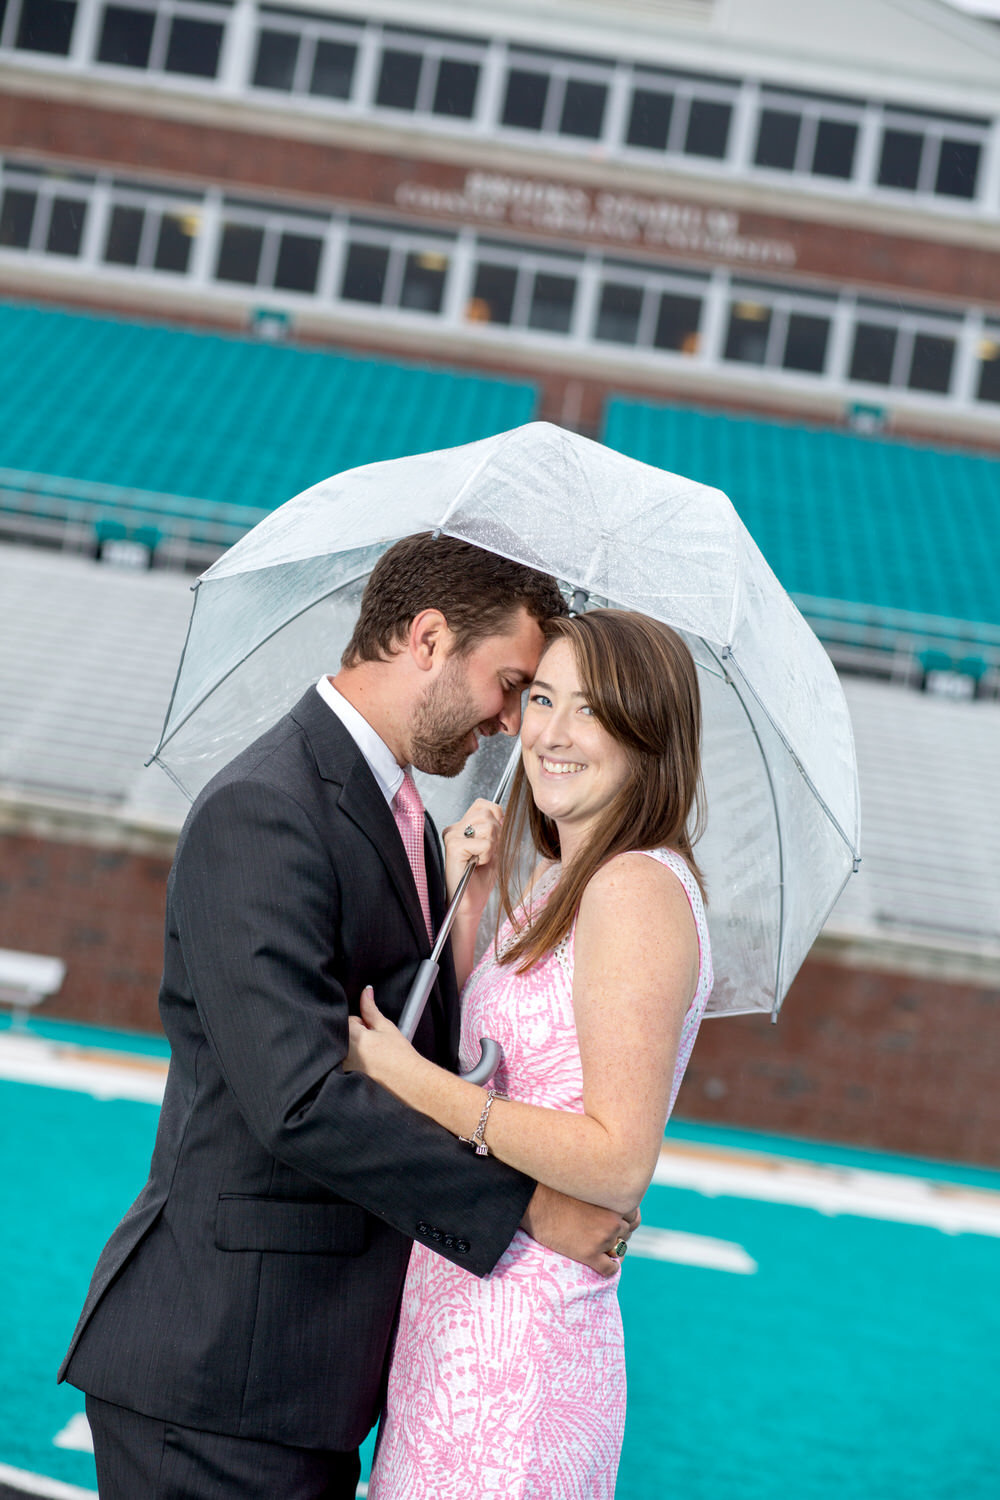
column 381, row 761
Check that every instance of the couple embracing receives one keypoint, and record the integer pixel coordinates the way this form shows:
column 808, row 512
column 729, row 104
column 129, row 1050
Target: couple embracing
column 335, row 1224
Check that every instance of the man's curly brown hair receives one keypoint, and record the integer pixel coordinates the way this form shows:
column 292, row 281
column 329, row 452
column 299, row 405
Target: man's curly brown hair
column 477, row 592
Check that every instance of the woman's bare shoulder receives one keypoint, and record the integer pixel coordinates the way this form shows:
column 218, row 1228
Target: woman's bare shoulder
column 634, row 884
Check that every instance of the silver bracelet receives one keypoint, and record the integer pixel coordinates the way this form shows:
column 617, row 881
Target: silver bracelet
column 478, row 1137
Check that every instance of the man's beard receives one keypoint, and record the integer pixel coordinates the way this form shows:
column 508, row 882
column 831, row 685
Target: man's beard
column 442, row 722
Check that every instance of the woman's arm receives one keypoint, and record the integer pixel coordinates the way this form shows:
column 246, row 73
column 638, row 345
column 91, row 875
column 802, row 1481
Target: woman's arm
column 635, row 972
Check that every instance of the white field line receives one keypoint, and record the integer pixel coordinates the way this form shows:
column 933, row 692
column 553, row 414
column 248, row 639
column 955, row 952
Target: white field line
column 76, row 1435
column 900, row 1199
column 30, row 1060
column 691, row 1250
column 39, row 1484
column 891, row 1196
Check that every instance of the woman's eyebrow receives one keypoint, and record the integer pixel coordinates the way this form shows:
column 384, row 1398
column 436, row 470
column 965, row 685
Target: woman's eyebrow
column 538, row 683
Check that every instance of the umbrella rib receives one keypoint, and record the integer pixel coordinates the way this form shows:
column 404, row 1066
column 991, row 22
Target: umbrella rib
column 776, row 1004
column 361, row 573
column 177, row 677
column 486, row 459
column 798, row 764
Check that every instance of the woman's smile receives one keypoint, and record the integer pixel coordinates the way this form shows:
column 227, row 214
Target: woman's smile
column 574, row 766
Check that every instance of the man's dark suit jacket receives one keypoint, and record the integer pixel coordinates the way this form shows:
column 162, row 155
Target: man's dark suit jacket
column 252, row 1287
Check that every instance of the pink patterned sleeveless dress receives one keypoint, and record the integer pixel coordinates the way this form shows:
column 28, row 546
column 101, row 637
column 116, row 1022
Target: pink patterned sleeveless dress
column 512, row 1386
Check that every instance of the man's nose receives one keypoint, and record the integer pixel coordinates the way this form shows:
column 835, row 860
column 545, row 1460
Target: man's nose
column 510, row 716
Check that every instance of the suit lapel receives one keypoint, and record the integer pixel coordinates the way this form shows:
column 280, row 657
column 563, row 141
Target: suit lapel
column 363, row 802
column 339, row 760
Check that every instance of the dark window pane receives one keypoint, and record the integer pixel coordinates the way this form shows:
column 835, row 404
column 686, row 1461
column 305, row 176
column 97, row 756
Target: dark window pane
column 958, row 168
column 277, row 52
column 805, row 345
column 46, row 26
column 173, row 244
column 364, row 274
column 455, row 92
column 399, row 80
column 126, row 36
column 746, row 339
column 552, row 303
column 871, row 359
column 583, row 109
column 298, row 262
column 194, row 48
column 423, row 281
column 649, row 122
column 708, row 128
column 899, row 166
column 333, row 70
column 618, row 314
column 124, row 234
column 492, row 295
column 3, row 12
column 989, row 371
column 524, row 105
column 777, row 139
column 930, row 369
column 239, row 253
column 16, row 215
column 677, row 323
column 833, row 154
column 66, row 226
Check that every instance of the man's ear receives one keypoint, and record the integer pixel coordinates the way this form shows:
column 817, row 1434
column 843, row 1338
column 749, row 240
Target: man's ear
column 429, row 639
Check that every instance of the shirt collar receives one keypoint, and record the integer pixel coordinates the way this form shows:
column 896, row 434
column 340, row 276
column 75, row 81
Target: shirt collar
column 381, row 761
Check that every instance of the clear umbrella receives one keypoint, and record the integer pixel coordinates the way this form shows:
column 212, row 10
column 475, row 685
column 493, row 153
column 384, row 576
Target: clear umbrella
column 781, row 839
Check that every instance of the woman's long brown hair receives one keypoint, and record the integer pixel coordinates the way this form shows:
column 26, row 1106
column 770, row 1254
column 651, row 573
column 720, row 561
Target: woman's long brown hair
column 641, row 682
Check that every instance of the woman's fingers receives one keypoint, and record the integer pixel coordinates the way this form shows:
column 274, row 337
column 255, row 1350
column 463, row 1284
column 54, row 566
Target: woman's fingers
column 474, row 836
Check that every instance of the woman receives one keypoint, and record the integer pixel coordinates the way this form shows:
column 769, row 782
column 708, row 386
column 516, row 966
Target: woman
column 514, row 1385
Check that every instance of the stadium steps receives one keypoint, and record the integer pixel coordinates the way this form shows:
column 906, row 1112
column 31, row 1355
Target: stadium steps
column 89, row 661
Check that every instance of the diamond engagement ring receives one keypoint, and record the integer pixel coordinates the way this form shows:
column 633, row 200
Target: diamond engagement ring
column 469, row 831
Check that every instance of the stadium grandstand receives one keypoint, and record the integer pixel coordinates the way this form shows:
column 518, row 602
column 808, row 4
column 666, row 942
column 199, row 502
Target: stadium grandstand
column 748, row 242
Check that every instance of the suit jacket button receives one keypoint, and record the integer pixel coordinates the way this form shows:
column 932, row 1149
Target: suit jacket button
column 435, row 1235
column 449, row 1242
column 463, row 1247
column 423, row 1228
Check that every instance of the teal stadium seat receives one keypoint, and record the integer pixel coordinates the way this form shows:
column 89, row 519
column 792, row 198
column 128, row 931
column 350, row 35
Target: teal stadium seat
column 865, row 520
column 224, row 419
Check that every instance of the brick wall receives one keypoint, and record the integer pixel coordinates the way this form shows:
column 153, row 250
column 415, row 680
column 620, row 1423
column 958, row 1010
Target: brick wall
column 886, row 1061
column 328, row 170
column 98, row 909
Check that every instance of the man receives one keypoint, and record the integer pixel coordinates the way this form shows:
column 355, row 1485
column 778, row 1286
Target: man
column 236, row 1334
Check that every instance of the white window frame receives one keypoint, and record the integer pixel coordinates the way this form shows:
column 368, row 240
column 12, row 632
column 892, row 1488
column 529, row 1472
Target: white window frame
column 465, row 251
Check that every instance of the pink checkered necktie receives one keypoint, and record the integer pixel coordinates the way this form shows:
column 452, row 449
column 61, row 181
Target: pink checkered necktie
column 408, row 810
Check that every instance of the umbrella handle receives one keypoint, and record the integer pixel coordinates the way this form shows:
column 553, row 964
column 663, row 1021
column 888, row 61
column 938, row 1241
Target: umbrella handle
column 491, row 1052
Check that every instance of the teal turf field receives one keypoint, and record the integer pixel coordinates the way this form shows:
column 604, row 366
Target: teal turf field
column 859, row 1361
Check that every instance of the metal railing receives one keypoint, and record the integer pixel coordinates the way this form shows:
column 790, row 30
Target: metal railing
column 904, row 647
column 78, row 515
column 178, row 531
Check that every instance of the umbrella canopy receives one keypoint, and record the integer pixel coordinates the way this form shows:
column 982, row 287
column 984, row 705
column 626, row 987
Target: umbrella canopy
column 781, row 840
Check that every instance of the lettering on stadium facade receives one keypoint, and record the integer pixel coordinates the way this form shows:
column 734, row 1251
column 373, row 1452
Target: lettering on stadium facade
column 626, row 218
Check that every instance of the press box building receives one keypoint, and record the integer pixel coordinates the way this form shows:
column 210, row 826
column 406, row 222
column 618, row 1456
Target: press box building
column 769, row 205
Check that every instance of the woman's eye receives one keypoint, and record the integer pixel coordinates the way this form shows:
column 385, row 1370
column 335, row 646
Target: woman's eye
column 585, row 708
column 540, row 698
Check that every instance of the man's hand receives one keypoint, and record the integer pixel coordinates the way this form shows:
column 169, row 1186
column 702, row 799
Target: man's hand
column 582, row 1231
